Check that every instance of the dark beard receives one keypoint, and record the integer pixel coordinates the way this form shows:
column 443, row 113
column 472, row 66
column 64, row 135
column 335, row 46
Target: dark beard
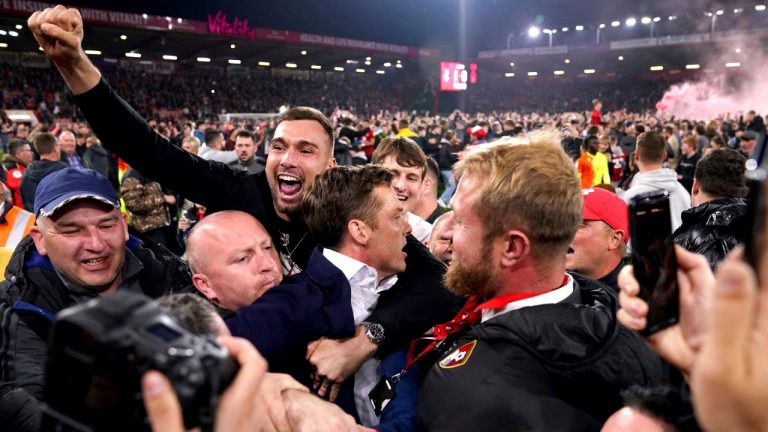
column 294, row 213
column 462, row 280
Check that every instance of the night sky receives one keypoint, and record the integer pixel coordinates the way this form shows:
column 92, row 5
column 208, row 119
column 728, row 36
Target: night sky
column 424, row 23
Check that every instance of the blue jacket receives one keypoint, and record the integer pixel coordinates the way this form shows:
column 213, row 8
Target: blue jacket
column 312, row 304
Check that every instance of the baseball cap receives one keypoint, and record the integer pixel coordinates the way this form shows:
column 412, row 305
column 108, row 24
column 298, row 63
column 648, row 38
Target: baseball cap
column 602, row 205
column 69, row 184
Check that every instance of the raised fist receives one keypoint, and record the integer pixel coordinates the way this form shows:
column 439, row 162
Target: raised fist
column 59, row 31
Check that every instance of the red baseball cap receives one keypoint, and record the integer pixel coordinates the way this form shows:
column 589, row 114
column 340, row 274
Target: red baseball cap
column 603, row 205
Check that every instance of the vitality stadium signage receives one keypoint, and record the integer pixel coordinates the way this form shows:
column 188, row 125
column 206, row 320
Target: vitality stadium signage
column 218, row 24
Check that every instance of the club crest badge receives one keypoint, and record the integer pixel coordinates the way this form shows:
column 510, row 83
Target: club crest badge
column 459, row 356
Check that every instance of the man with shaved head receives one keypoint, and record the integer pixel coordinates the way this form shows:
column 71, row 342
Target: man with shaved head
column 232, row 258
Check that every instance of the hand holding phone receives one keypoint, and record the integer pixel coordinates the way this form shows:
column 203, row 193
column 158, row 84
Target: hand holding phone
column 653, row 259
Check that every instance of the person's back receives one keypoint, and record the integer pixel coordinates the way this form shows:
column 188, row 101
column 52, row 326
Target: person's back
column 718, row 221
column 97, row 157
column 47, row 147
column 651, row 177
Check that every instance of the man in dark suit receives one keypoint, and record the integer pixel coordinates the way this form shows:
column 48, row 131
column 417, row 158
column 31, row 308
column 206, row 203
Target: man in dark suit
column 361, row 229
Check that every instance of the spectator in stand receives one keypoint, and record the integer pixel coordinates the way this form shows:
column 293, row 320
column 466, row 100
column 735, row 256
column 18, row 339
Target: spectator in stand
column 348, row 130
column 428, row 207
column 748, row 142
column 595, row 118
column 385, row 131
column 616, row 157
column 717, row 222
column 673, row 146
column 629, row 141
column 212, row 148
column 47, row 146
column 686, row 167
column 69, row 154
column 700, row 133
column 432, row 141
column 599, row 161
column 404, row 129
column 652, row 177
column 191, row 145
column 585, row 166
column 149, row 207
column 97, row 157
column 755, row 123
column 598, row 248
column 716, row 143
column 450, row 147
column 22, row 131
column 14, row 164
column 245, row 148
column 508, row 128
column 407, row 161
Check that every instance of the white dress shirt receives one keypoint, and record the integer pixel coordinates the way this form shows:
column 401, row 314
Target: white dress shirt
column 420, row 228
column 363, row 280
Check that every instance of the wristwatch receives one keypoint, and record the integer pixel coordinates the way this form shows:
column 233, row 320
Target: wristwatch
column 374, row 332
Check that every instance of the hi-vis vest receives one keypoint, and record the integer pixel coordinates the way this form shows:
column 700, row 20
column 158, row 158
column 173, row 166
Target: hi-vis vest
column 19, row 221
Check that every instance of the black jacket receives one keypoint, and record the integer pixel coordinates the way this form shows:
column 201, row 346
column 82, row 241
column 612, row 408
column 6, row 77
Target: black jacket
column 553, row 367
column 33, row 293
column 34, row 173
column 98, row 159
column 218, row 187
column 19, row 410
column 714, row 228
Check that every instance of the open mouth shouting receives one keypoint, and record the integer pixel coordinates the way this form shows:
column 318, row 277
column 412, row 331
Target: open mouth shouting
column 289, row 187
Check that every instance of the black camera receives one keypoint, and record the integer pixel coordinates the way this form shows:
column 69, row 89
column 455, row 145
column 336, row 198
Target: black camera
column 98, row 352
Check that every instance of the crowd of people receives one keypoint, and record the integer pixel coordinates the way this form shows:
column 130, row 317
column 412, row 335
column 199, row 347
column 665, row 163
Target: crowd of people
column 354, row 295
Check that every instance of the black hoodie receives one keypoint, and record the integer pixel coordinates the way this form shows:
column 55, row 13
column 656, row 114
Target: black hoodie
column 32, row 176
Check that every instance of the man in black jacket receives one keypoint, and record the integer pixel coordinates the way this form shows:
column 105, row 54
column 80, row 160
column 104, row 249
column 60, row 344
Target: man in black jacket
column 545, row 351
column 717, row 221
column 301, row 147
column 47, row 146
column 78, row 250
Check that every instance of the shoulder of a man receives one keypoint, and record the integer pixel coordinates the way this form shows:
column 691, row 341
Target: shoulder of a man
column 481, row 385
column 162, row 272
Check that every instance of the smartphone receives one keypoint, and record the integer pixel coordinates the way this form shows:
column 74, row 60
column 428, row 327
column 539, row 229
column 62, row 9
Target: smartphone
column 653, row 259
column 755, row 175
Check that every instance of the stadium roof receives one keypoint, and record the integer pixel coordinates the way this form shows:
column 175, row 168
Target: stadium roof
column 222, row 39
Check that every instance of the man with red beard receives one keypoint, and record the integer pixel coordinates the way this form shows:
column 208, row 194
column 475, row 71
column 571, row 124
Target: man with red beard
column 301, row 148
column 534, row 348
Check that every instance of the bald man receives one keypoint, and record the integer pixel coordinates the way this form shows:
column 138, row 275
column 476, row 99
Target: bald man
column 440, row 241
column 235, row 265
column 232, row 258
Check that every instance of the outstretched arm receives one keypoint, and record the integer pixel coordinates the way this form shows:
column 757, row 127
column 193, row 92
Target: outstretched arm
column 59, row 31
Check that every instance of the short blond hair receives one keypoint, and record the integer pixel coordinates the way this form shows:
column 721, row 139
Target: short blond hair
column 530, row 186
column 193, row 141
